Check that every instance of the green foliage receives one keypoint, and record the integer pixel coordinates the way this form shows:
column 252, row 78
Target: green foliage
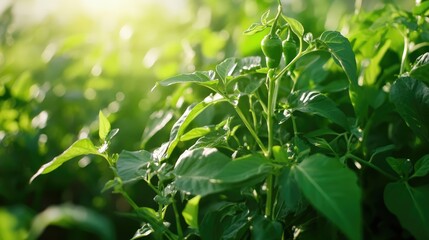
column 68, row 216
column 333, row 190
column 329, row 143
column 416, row 215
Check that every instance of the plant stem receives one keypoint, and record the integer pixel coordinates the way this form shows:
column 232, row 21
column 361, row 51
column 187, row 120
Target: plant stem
column 274, row 27
column 129, row 200
column 404, row 54
column 178, row 225
column 272, row 98
column 250, row 128
column 360, row 160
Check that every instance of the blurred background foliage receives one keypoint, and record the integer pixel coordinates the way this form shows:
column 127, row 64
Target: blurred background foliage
column 63, row 61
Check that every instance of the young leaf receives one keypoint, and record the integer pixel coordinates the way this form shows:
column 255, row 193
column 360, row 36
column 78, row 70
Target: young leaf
column 203, row 78
column 204, row 171
column 133, row 166
column 78, row 148
column 190, row 114
column 420, row 70
column 411, row 99
column 255, row 28
column 196, row 133
column 190, row 213
column 264, row 17
column 103, row 126
column 295, row 26
column 332, row 189
column 342, row 52
column 402, row 167
column 157, row 121
column 409, row 204
column 226, row 68
column 421, row 168
column 317, row 103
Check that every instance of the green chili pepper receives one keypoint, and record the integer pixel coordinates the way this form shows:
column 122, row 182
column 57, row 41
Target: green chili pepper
column 289, row 50
column 272, row 48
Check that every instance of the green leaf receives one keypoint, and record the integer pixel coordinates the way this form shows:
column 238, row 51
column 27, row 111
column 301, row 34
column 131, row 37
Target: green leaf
column 244, row 85
column 103, row 126
column 332, row 189
column 226, row 68
column 216, row 138
column 373, row 69
column 196, row 133
column 421, row 9
column 247, row 64
column 401, row 166
column 264, row 17
column 421, row 168
column 157, row 121
column 411, row 99
column 150, row 216
column 190, row 213
column 410, row 205
column 244, row 168
column 71, row 217
column 290, row 197
column 204, row 78
column 295, row 26
column 264, row 228
column 112, row 183
column 78, row 148
column 311, row 69
column 317, row 103
column 342, row 52
column 190, row 114
column 224, row 220
column 420, row 70
column 133, row 166
column 111, row 134
column 204, row 171
column 255, row 28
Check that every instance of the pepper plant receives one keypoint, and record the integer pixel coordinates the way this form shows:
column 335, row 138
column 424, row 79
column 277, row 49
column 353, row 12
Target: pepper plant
column 326, row 137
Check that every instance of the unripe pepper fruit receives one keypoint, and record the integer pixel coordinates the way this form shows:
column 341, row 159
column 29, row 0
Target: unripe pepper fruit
column 289, row 50
column 272, row 48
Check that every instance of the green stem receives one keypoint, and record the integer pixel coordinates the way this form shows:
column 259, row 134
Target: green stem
column 360, row 160
column 272, row 98
column 249, row 127
column 177, row 217
column 252, row 111
column 404, row 54
column 269, row 203
column 274, row 27
column 295, row 129
column 129, row 200
column 287, row 67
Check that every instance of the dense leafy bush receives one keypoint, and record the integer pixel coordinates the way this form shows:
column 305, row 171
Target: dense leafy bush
column 329, row 144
